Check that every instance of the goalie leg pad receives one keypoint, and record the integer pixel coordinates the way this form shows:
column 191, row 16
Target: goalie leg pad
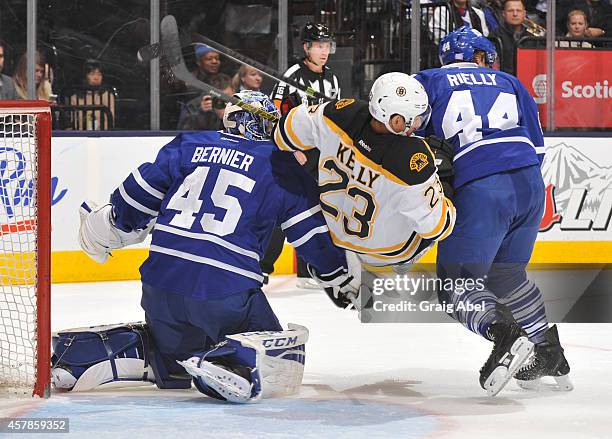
column 110, row 356
column 250, row 366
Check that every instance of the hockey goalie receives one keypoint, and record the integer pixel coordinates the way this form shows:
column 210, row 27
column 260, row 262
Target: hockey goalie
column 211, row 200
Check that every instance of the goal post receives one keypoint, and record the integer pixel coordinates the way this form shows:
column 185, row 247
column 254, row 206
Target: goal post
column 25, row 253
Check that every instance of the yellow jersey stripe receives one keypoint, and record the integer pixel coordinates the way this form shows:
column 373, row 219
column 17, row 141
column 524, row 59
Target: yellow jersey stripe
column 404, row 255
column 438, row 228
column 278, row 139
column 289, row 130
column 359, row 156
column 360, row 249
column 429, row 148
column 452, row 223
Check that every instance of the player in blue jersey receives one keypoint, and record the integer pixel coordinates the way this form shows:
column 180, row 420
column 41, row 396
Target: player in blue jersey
column 496, row 148
column 214, row 198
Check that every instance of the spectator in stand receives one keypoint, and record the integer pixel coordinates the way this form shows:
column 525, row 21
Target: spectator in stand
column 205, row 112
column 510, row 32
column 492, row 10
column 536, row 11
column 7, row 89
column 462, row 13
column 247, row 78
column 577, row 25
column 208, row 63
column 93, row 92
column 41, row 78
column 599, row 17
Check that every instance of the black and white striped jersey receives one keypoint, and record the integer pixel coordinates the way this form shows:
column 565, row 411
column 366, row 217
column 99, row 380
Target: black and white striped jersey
column 325, row 82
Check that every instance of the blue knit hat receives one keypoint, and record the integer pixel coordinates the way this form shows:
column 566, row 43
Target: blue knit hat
column 202, row 49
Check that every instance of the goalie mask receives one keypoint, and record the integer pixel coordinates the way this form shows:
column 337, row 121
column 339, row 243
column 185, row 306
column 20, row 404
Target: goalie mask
column 242, row 123
column 398, row 93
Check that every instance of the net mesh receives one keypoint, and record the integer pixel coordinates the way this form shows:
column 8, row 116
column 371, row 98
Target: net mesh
column 18, row 280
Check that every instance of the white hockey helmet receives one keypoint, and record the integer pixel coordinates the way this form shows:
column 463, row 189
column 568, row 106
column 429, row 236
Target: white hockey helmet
column 399, row 93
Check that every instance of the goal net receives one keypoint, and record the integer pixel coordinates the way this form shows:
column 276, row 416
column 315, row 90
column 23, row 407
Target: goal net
column 25, row 217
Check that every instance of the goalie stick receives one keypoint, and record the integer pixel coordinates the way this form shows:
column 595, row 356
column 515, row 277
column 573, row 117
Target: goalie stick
column 171, row 54
column 147, row 53
column 270, row 73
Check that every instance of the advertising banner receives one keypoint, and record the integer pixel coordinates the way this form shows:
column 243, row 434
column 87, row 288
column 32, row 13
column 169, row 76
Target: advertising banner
column 583, row 85
column 576, row 225
column 577, row 173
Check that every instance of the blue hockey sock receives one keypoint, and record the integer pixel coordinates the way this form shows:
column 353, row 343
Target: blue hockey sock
column 527, row 308
column 478, row 319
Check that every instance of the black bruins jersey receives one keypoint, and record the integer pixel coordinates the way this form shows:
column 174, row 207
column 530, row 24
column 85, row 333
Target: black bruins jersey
column 380, row 193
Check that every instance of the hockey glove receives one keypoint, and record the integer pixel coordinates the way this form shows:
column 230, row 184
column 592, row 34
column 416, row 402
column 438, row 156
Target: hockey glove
column 342, row 287
column 290, row 101
column 312, row 162
column 98, row 234
column 339, row 299
column 444, row 154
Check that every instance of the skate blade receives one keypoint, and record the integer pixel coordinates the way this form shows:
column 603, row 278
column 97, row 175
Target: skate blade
column 562, row 383
column 498, row 379
column 234, row 388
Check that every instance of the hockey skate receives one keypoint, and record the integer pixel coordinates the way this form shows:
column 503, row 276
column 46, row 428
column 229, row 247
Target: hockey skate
column 510, row 350
column 547, row 360
column 307, row 283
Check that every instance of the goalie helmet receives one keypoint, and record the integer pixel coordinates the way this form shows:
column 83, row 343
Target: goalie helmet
column 461, row 44
column 399, row 93
column 240, row 122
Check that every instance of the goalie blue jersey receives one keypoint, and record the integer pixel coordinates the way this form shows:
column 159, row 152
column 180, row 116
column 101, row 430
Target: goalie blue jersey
column 216, row 198
column 487, row 115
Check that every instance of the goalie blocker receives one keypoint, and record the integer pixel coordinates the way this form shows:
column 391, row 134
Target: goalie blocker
column 245, row 367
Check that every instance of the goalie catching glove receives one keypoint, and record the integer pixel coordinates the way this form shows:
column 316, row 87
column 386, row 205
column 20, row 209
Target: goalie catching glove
column 98, row 235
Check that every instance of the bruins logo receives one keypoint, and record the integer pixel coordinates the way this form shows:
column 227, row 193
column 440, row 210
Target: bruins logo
column 418, row 161
column 344, row 103
column 401, row 91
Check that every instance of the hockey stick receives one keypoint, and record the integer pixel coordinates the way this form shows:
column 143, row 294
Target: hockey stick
column 362, row 314
column 171, row 54
column 270, row 73
column 147, row 53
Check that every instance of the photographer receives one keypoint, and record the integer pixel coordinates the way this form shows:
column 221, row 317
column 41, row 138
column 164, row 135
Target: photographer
column 205, row 112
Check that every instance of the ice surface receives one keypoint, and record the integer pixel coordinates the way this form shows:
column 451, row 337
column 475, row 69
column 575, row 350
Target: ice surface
column 361, row 380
